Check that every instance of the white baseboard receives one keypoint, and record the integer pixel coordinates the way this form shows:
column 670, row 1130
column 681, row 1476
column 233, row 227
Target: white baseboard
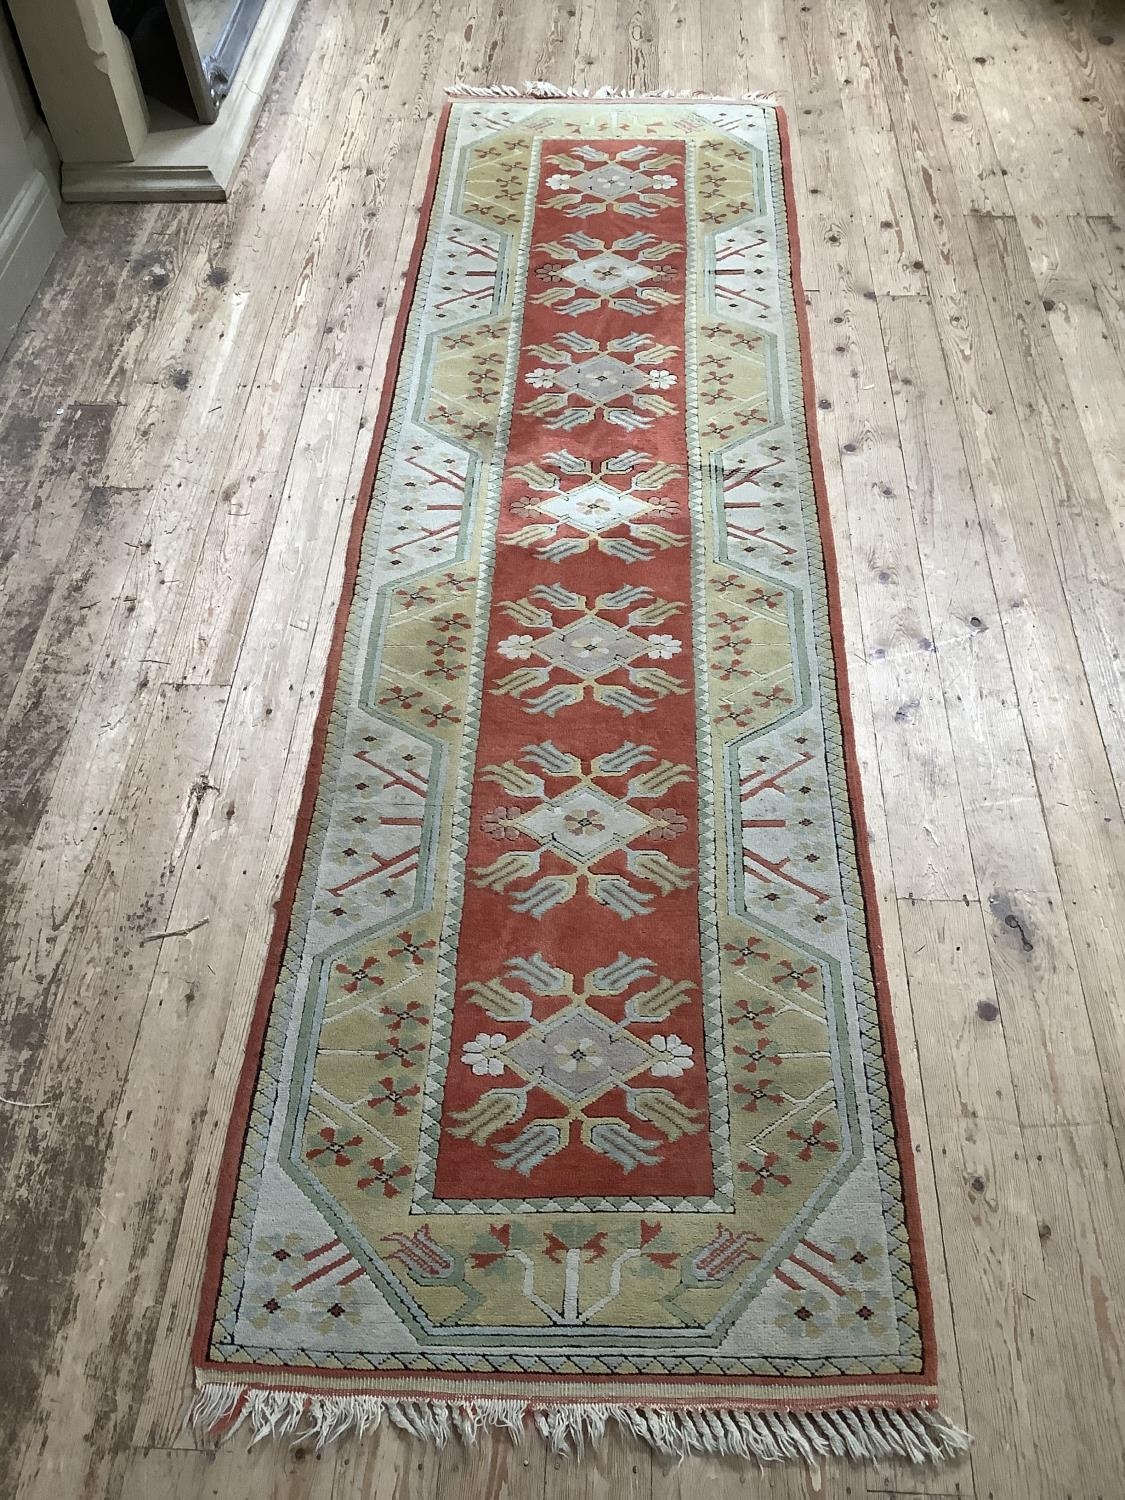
column 182, row 162
column 30, row 233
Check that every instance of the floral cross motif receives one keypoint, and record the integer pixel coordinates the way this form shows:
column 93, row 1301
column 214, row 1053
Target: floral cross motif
column 577, row 390
column 589, row 647
column 576, row 1055
column 585, row 827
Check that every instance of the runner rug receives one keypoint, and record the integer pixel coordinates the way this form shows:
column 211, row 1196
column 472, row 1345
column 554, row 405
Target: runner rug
column 572, row 1093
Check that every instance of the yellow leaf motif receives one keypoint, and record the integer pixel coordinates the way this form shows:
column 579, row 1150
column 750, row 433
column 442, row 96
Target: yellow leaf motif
column 662, row 1109
column 491, row 1112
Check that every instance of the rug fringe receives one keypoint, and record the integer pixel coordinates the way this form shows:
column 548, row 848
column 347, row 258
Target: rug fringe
column 539, row 88
column 865, row 1434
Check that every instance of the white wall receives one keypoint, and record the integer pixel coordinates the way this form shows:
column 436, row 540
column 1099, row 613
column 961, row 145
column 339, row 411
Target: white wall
column 30, row 231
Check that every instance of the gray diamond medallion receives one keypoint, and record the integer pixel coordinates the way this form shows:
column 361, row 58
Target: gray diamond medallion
column 590, row 648
column 584, row 823
column 578, row 1054
column 610, row 182
column 593, row 507
column 602, row 378
column 607, row 272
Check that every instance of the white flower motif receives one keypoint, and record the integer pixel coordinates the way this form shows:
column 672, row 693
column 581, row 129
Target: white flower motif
column 557, row 181
column 677, row 1056
column 581, row 1056
column 663, row 647
column 541, row 379
column 480, row 1054
column 661, row 380
column 516, row 647
column 662, row 182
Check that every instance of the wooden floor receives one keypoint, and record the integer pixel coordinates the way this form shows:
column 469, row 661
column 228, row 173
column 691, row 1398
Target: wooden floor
column 183, row 419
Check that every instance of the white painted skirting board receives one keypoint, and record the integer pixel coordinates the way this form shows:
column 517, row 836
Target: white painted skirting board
column 181, row 161
column 29, row 236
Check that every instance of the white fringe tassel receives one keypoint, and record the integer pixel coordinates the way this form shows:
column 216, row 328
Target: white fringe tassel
column 861, row 1433
column 539, row 88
